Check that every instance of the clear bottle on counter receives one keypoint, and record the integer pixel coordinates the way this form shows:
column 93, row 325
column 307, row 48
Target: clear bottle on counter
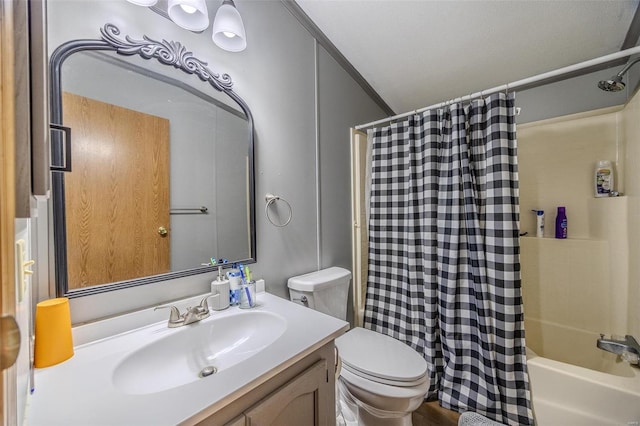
column 248, row 295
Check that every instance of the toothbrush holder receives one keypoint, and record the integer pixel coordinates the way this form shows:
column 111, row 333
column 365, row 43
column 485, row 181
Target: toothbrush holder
column 248, row 295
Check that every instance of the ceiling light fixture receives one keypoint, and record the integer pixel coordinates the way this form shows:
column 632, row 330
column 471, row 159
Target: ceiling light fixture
column 228, row 29
column 192, row 15
column 147, row 3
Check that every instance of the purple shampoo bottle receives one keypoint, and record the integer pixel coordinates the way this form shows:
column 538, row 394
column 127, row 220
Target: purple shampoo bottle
column 561, row 223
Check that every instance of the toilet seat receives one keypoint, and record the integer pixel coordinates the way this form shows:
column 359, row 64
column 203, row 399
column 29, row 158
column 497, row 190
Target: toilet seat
column 381, row 359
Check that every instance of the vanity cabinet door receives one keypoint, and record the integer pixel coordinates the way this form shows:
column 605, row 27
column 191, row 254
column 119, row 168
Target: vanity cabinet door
column 302, row 401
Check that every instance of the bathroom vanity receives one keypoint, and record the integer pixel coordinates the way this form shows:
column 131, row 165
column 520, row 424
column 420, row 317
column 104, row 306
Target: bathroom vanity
column 275, row 364
column 302, row 394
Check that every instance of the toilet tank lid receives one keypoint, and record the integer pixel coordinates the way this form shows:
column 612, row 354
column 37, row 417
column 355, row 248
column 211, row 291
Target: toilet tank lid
column 318, row 280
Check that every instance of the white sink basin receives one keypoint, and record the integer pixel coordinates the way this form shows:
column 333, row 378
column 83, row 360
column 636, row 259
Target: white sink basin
column 180, row 357
column 118, row 372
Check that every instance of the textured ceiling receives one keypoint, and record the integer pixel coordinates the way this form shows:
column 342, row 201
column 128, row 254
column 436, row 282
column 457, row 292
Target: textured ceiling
column 416, row 53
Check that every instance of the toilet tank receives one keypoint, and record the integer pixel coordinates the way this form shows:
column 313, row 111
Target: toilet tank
column 325, row 290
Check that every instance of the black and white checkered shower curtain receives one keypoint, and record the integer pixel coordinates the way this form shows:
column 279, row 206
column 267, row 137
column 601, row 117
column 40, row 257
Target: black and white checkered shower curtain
column 444, row 268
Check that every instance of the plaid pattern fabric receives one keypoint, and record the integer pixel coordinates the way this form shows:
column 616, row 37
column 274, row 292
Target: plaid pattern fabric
column 444, row 267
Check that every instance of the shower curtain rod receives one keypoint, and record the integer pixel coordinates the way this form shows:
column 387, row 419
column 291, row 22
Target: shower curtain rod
column 515, row 84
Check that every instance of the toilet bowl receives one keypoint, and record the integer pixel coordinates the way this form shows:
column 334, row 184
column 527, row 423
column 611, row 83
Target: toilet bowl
column 382, row 380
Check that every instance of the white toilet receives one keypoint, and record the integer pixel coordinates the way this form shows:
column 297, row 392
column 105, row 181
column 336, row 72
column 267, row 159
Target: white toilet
column 382, row 379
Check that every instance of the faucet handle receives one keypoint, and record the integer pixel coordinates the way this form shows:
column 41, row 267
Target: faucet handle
column 174, row 316
column 204, row 304
column 202, row 310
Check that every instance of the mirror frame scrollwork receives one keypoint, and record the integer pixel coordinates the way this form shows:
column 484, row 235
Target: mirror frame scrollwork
column 170, row 53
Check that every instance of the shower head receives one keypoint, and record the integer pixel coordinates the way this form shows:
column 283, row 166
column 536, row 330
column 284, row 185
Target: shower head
column 615, row 83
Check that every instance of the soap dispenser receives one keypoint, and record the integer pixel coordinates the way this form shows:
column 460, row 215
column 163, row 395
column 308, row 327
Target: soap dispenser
column 220, row 292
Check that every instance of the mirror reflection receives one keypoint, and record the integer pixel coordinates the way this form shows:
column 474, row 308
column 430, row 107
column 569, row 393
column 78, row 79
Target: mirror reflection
column 161, row 176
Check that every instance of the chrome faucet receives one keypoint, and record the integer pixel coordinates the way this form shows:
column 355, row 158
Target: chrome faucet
column 191, row 315
column 628, row 349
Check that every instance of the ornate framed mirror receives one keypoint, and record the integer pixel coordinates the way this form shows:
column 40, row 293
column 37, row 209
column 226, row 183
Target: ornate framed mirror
column 153, row 165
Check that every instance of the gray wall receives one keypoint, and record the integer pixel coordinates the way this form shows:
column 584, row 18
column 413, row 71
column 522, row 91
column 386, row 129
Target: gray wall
column 296, row 132
column 574, row 95
column 342, row 104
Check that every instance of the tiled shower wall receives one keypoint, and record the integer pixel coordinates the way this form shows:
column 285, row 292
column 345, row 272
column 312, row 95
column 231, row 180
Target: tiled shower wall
column 575, row 289
column 630, row 134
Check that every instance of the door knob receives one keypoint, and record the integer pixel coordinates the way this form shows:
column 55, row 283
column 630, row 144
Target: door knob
column 163, row 231
column 9, row 341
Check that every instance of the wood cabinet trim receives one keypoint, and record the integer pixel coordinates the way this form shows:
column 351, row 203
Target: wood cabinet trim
column 22, row 106
column 7, row 195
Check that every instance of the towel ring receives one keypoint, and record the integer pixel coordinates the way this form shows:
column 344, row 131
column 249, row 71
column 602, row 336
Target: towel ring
column 270, row 199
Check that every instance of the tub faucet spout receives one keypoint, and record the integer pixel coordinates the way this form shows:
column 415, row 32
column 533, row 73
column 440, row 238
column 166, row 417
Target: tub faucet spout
column 628, row 348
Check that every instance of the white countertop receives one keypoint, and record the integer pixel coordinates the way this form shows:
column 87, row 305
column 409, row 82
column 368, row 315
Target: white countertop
column 81, row 391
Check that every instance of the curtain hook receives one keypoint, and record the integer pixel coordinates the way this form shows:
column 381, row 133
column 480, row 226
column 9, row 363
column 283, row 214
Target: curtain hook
column 506, row 90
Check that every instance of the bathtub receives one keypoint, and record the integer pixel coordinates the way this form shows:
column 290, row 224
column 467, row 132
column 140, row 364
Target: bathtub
column 567, row 395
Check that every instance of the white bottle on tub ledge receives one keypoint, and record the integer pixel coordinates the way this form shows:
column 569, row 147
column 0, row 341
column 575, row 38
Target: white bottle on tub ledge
column 539, row 223
column 604, row 181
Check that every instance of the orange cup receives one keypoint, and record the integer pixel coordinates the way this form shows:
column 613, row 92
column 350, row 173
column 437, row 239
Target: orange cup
column 53, row 339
